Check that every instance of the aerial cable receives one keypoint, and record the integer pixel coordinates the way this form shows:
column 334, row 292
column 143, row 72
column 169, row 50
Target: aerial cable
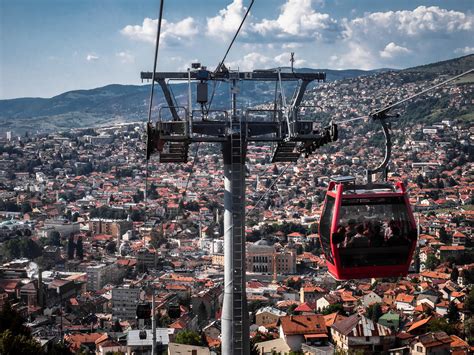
column 233, row 39
column 157, row 45
column 386, row 108
column 269, row 188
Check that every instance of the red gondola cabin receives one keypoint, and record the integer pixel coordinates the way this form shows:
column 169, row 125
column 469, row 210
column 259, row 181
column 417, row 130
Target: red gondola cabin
column 367, row 231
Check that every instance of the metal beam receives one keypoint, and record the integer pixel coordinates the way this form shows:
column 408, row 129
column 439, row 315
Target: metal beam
column 257, row 75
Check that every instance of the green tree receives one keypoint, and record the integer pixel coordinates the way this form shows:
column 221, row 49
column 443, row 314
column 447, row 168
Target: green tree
column 454, row 274
column 374, row 312
column 11, row 344
column 469, row 303
column 70, row 247
column 11, row 320
column 453, row 313
column 442, row 325
column 55, row 238
column 431, row 262
column 79, row 249
column 337, row 307
column 188, row 337
column 443, row 236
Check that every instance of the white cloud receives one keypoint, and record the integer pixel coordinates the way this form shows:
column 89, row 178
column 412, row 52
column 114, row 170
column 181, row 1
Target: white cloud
column 126, row 57
column 464, row 50
column 251, row 61
column 92, row 58
column 171, row 32
column 392, row 50
column 356, row 57
column 226, row 23
column 298, row 20
column 374, row 40
column 419, row 21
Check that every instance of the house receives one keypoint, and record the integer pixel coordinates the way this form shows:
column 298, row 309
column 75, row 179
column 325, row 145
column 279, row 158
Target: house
column 459, row 238
column 390, row 320
column 358, row 332
column 311, row 294
column 459, row 346
column 303, row 329
column 446, row 251
column 431, row 343
column 404, row 303
column 420, row 326
column 427, row 298
column 325, row 301
column 268, row 315
column 180, row 349
column 370, row 298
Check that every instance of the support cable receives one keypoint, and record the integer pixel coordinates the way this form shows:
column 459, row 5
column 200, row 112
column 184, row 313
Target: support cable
column 233, row 39
column 157, row 46
column 269, row 188
column 375, row 113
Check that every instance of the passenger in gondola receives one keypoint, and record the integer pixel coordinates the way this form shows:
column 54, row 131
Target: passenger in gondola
column 394, row 236
column 339, row 237
column 359, row 240
column 350, row 232
column 376, row 239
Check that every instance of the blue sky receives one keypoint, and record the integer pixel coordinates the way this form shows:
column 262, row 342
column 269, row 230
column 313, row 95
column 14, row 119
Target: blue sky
column 51, row 46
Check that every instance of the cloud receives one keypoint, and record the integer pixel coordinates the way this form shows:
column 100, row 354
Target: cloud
column 299, row 20
column 375, row 39
column 417, row 22
column 251, row 61
column 171, row 32
column 226, row 23
column 125, row 57
column 92, row 58
column 464, row 50
column 392, row 50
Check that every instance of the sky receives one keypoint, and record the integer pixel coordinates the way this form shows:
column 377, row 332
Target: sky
column 48, row 47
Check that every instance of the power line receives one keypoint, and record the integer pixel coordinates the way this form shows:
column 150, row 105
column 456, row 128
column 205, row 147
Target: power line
column 406, row 99
column 235, row 36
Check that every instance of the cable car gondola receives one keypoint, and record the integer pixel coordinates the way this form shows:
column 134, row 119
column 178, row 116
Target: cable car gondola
column 367, row 231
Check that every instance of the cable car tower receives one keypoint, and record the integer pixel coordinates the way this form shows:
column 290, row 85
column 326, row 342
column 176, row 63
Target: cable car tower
column 282, row 125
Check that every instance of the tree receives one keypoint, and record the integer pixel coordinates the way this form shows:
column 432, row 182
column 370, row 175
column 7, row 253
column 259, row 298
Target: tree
column 431, row 262
column 374, row 312
column 79, row 249
column 11, row 344
column 441, row 325
column 71, row 246
column 469, row 303
column 453, row 313
column 55, row 238
column 336, row 307
column 11, row 320
column 443, row 236
column 188, row 337
column 454, row 274
column 111, row 247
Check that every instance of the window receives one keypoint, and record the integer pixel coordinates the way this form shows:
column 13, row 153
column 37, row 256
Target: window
column 419, row 349
column 325, row 228
column 374, row 232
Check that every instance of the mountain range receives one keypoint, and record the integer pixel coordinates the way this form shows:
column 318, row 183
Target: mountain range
column 127, row 103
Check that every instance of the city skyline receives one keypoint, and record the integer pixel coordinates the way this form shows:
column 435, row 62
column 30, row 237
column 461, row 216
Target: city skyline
column 61, row 46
